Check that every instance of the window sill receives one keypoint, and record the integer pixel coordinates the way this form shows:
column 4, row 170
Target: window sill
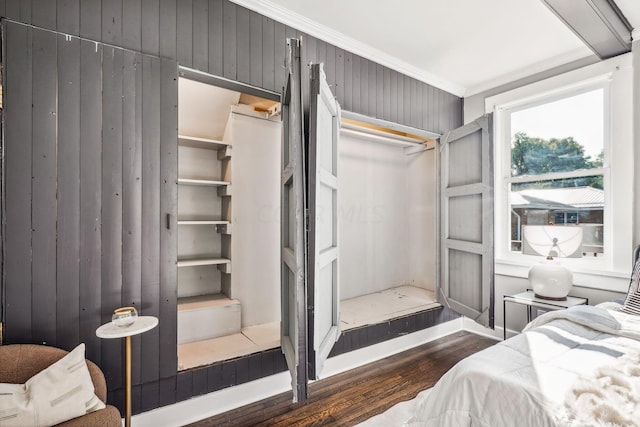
column 613, row 281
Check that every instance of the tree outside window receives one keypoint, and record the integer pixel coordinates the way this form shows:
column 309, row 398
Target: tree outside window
column 557, row 170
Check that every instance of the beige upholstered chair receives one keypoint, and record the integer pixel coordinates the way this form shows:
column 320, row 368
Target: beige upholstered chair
column 22, row 361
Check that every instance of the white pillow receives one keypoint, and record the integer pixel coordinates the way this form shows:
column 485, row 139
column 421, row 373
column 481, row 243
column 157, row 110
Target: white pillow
column 62, row 391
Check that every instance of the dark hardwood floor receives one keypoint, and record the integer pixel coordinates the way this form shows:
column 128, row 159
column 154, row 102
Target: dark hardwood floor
column 351, row 397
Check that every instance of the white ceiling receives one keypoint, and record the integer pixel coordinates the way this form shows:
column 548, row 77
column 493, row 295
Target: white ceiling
column 462, row 46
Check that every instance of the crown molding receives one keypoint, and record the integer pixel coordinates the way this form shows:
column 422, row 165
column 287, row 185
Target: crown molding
column 315, row 29
column 539, row 67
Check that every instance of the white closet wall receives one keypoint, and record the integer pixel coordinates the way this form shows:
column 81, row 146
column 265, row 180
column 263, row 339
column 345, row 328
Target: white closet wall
column 387, row 217
column 422, row 218
column 256, row 218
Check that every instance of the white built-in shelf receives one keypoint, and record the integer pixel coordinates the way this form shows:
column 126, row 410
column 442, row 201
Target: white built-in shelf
column 202, row 222
column 205, row 301
column 196, row 142
column 192, row 262
column 202, row 182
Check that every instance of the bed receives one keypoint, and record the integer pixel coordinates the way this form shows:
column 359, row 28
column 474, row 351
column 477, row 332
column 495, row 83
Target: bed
column 573, row 367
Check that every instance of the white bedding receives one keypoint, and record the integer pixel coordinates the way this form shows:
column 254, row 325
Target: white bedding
column 397, row 414
column 576, row 367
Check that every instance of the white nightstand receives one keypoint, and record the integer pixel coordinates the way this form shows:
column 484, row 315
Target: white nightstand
column 529, row 299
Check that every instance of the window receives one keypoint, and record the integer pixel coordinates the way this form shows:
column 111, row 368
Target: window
column 564, row 155
column 557, row 166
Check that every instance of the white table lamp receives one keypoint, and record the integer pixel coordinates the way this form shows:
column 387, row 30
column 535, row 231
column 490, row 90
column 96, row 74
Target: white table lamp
column 549, row 279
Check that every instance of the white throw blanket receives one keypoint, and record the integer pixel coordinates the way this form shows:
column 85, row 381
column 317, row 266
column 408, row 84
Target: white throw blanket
column 611, row 397
column 576, row 367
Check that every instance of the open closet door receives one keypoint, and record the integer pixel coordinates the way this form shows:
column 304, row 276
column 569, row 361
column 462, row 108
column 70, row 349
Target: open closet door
column 293, row 325
column 466, row 279
column 322, row 285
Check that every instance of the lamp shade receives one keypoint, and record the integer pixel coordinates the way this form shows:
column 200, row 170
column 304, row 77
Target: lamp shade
column 556, row 240
column 548, row 278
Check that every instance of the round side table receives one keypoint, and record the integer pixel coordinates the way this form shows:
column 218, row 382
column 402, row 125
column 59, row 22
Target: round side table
column 109, row 331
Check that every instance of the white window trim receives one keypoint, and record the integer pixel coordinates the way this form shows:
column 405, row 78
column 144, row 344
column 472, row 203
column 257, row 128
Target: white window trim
column 610, row 272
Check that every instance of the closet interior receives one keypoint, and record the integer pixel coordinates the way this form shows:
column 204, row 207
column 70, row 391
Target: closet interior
column 229, row 169
column 228, row 224
column 387, row 209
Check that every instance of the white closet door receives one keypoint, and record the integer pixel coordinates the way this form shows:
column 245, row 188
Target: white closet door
column 293, row 325
column 323, row 287
column 466, row 278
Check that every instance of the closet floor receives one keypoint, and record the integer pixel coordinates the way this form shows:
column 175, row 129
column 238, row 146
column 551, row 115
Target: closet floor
column 385, row 305
column 251, row 340
column 355, row 312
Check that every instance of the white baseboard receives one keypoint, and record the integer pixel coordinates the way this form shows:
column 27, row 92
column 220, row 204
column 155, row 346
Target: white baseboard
column 208, row 405
column 356, row 358
column 215, row 403
column 497, row 333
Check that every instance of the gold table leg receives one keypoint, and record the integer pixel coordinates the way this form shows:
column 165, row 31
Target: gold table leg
column 127, row 381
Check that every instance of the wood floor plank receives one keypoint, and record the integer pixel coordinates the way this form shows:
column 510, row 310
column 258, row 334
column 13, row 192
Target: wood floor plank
column 351, row 397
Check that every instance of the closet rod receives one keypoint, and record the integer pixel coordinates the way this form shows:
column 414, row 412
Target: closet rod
column 385, row 124
column 383, row 139
column 413, row 140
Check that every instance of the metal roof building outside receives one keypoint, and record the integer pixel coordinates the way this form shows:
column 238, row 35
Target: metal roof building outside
column 574, row 198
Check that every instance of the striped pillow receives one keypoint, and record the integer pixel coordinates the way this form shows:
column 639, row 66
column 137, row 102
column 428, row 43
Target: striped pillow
column 632, row 302
column 62, row 391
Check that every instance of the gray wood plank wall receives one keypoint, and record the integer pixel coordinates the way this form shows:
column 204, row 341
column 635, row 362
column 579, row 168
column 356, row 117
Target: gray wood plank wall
column 83, row 234
column 224, row 39
column 83, row 214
